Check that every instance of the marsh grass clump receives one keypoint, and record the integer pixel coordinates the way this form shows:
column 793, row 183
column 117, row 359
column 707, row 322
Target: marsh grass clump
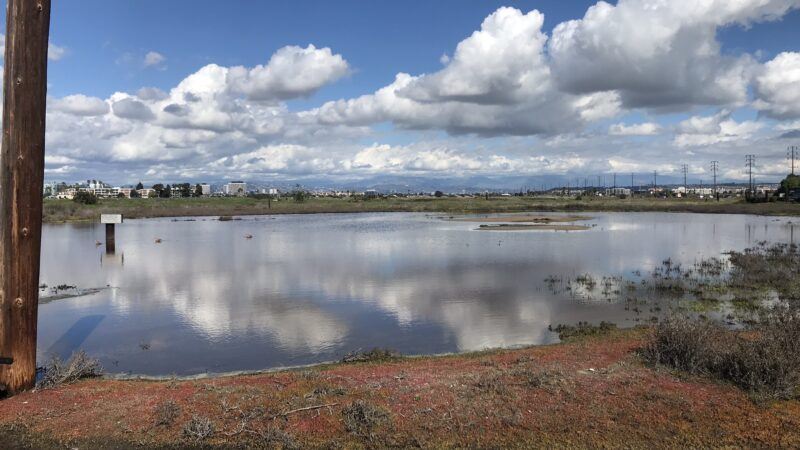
column 764, row 361
column 362, row 418
column 775, row 266
column 198, row 428
column 166, row 413
column 374, row 355
column 78, row 366
column 582, row 329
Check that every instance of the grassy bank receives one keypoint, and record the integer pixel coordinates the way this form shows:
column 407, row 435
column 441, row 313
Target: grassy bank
column 593, row 391
column 65, row 210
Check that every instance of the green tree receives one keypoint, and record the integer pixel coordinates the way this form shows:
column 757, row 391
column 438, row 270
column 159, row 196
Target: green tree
column 158, row 187
column 790, row 182
column 185, row 188
column 85, row 198
column 299, row 194
column 166, row 192
column 139, row 186
column 198, row 190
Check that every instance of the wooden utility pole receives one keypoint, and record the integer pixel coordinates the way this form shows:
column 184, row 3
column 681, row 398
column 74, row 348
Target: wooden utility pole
column 21, row 183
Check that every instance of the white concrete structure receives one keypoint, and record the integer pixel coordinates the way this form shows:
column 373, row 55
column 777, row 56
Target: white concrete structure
column 235, row 188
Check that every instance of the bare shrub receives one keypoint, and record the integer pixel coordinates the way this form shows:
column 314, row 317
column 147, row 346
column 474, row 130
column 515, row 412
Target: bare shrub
column 166, row 413
column 769, row 364
column 764, row 362
column 695, row 346
column 374, row 355
column 78, row 366
column 276, row 438
column 198, row 428
column 361, row 417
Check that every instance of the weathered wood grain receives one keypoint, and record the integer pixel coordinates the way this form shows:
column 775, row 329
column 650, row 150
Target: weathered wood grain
column 21, row 180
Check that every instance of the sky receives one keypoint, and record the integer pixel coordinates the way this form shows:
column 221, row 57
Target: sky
column 345, row 92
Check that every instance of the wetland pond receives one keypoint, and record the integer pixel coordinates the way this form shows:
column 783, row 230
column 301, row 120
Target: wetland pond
column 273, row 291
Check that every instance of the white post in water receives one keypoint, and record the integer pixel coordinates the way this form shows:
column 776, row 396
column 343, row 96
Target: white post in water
column 110, row 220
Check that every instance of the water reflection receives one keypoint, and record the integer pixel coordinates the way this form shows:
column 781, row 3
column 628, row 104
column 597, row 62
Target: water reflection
column 310, row 288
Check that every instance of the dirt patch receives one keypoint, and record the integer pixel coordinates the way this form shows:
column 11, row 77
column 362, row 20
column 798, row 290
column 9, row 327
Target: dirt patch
column 507, row 227
column 591, row 392
column 525, row 219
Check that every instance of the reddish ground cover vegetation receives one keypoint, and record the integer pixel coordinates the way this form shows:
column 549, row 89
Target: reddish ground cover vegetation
column 589, row 392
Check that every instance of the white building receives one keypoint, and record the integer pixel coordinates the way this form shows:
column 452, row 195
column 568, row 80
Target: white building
column 618, row 191
column 126, row 192
column 205, row 189
column 235, row 188
column 104, row 192
column 146, row 193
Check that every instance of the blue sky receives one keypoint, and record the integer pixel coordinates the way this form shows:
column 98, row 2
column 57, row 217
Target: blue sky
column 522, row 99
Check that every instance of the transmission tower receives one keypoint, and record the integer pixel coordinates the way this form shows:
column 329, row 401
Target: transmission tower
column 791, row 154
column 685, row 171
column 750, row 162
column 714, row 169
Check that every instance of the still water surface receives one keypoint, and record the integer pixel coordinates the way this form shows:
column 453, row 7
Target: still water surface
column 310, row 288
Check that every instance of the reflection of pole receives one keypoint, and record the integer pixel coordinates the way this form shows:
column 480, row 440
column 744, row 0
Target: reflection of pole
column 110, row 242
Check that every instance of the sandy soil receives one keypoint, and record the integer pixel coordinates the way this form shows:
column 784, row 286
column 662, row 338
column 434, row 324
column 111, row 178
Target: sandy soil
column 534, row 227
column 524, row 219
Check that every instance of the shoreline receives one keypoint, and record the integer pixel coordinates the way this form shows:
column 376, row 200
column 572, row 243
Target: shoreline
column 586, row 391
column 66, row 211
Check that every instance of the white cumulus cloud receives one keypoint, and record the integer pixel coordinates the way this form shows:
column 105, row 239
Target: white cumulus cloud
column 290, row 73
column 640, row 129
